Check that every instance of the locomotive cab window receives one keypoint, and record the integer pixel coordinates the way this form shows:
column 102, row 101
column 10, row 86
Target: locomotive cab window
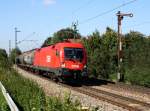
column 73, row 53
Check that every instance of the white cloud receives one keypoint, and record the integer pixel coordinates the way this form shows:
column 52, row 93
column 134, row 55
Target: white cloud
column 49, row 2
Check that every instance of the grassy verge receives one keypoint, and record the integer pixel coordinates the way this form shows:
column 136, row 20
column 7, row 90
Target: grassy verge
column 3, row 103
column 25, row 93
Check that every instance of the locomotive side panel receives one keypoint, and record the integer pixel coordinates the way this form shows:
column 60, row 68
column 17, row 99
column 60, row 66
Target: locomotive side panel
column 46, row 57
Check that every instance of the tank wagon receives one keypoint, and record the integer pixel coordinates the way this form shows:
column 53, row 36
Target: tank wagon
column 65, row 61
column 26, row 57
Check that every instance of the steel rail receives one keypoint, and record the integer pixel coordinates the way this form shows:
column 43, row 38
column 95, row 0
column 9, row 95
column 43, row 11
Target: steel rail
column 118, row 96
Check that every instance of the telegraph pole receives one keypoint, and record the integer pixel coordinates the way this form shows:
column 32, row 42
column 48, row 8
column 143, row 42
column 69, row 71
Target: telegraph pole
column 9, row 47
column 120, row 53
column 16, row 31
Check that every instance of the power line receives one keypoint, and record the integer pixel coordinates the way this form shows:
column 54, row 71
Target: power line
column 140, row 24
column 26, row 37
column 108, row 11
column 81, row 7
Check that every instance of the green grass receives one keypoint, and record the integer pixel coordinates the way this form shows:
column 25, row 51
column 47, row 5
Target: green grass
column 25, row 93
column 3, row 103
column 56, row 104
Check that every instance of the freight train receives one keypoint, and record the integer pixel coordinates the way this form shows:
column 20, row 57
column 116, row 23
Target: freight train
column 63, row 61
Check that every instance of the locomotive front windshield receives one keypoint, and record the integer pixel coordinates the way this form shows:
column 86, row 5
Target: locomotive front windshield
column 73, row 53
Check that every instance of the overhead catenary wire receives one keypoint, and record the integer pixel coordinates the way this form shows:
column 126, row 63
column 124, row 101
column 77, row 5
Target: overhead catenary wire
column 108, row 11
column 81, row 7
column 25, row 39
column 139, row 24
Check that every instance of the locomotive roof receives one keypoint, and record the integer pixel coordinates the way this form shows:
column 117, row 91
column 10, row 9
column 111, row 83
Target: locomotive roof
column 68, row 43
column 29, row 51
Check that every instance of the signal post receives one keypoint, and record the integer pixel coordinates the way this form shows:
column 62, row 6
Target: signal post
column 120, row 16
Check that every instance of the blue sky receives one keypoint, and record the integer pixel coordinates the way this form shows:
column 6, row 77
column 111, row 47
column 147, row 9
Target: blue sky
column 44, row 17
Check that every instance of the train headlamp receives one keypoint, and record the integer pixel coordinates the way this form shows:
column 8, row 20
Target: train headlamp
column 85, row 66
column 63, row 65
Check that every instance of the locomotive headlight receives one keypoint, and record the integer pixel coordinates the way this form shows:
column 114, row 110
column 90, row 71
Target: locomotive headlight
column 63, row 65
column 85, row 66
column 84, row 71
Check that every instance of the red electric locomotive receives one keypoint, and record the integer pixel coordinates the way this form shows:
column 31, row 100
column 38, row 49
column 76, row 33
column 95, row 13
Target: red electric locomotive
column 66, row 60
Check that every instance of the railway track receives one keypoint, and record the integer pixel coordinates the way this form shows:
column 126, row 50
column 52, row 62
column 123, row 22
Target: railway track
column 118, row 96
column 121, row 101
column 132, row 88
column 118, row 100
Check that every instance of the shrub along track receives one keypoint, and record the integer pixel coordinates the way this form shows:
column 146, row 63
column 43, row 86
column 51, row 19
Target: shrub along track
column 118, row 100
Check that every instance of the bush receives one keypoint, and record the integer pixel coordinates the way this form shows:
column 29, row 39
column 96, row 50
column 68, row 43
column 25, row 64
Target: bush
column 26, row 94
column 3, row 59
column 138, row 76
column 54, row 104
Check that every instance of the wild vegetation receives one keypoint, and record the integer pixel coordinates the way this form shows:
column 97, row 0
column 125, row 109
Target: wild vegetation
column 102, row 54
column 3, row 103
column 13, row 54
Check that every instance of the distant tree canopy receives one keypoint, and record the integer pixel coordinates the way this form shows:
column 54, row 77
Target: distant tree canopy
column 14, row 53
column 62, row 35
column 102, row 56
column 3, row 58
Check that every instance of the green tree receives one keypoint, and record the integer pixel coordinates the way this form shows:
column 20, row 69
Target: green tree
column 3, row 58
column 92, row 44
column 101, row 50
column 62, row 35
column 47, row 42
column 14, row 53
column 137, row 58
